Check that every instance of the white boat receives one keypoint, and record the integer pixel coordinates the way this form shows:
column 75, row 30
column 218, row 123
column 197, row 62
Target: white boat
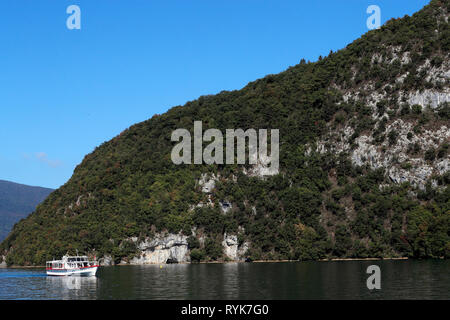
column 72, row 265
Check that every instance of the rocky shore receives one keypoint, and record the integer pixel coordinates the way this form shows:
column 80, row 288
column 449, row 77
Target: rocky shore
column 174, row 248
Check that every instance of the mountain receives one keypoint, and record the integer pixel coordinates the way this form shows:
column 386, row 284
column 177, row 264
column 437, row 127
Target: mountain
column 17, row 201
column 364, row 167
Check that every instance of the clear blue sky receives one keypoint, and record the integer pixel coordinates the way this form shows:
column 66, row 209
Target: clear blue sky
column 63, row 92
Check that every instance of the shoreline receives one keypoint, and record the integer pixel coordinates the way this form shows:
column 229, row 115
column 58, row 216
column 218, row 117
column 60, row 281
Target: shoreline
column 364, row 259
column 224, row 262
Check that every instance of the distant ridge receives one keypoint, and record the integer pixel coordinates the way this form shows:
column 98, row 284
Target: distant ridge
column 17, row 201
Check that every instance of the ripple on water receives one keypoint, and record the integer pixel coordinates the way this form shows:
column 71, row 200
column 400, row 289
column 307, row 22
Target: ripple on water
column 295, row 280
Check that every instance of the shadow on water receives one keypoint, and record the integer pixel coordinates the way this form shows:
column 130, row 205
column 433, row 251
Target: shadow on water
column 290, row 280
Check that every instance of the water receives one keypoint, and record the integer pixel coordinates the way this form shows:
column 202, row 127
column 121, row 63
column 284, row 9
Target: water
column 282, row 280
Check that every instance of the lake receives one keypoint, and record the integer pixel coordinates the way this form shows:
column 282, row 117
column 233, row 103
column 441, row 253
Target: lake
column 400, row 279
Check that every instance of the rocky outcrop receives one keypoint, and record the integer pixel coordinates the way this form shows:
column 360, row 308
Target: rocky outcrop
column 163, row 248
column 107, row 260
column 437, row 75
column 225, row 206
column 231, row 248
column 395, row 157
column 401, row 165
column 429, row 98
column 167, row 248
column 260, row 169
column 207, row 182
column 2, row 262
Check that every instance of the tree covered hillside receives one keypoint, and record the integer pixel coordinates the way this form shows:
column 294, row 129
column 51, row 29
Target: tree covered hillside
column 327, row 201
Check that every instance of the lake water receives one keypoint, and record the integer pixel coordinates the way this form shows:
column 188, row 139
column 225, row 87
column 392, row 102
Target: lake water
column 406, row 279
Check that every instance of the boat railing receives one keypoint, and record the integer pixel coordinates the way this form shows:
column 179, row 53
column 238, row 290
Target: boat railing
column 81, row 264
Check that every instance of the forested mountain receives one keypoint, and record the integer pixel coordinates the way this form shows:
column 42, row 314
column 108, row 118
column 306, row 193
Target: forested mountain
column 364, row 167
column 16, row 202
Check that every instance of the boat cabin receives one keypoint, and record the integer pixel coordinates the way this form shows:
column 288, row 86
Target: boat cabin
column 70, row 262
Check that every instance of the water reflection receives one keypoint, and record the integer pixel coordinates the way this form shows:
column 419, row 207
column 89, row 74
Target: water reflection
column 72, row 287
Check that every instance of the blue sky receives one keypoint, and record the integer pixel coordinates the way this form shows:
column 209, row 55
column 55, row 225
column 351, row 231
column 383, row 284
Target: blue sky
column 63, row 92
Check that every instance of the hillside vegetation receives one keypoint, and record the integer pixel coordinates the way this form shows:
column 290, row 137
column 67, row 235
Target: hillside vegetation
column 327, row 201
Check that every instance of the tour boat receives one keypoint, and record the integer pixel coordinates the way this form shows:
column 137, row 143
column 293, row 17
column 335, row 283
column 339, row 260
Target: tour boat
column 72, row 265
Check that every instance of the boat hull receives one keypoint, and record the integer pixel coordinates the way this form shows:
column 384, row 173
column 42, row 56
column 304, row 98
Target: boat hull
column 82, row 272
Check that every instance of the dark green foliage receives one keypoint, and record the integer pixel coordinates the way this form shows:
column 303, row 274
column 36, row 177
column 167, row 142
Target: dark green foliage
column 193, row 242
column 392, row 137
column 444, row 111
column 197, row 255
column 430, row 154
column 416, row 109
column 443, row 150
column 213, row 249
column 428, row 232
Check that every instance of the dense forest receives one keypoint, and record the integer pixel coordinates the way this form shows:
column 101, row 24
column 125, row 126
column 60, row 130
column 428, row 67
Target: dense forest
column 320, row 205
